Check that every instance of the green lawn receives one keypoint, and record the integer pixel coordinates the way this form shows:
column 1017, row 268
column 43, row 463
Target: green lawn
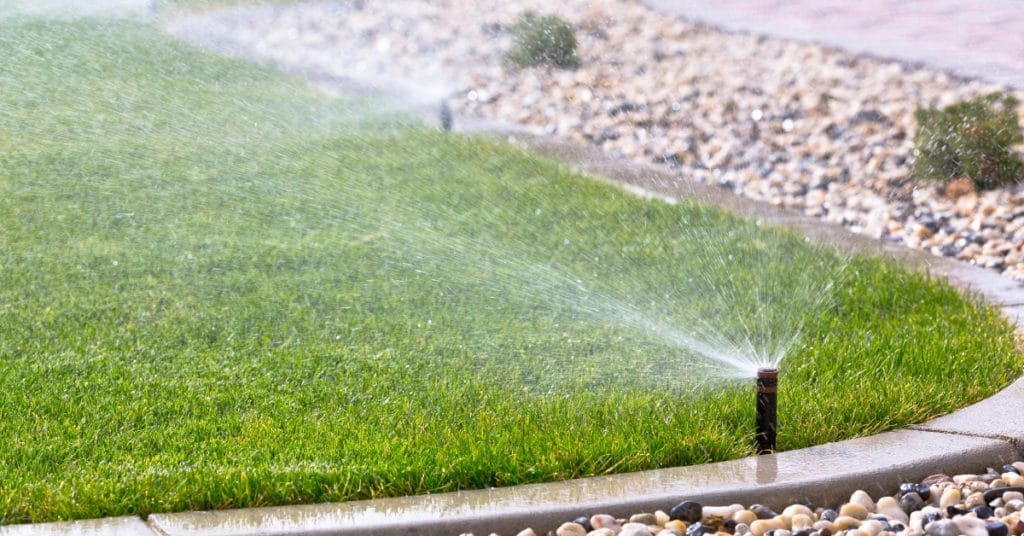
column 220, row 289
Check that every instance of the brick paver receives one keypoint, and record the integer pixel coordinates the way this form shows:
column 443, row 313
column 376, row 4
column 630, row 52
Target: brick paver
column 979, row 39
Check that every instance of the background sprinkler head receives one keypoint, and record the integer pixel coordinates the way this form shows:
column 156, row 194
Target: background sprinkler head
column 446, row 116
column 767, row 387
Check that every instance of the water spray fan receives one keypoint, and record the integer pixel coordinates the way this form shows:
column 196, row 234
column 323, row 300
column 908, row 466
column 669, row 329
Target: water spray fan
column 767, row 388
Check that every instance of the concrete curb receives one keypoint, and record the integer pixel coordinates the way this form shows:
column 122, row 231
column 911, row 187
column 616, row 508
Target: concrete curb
column 110, row 526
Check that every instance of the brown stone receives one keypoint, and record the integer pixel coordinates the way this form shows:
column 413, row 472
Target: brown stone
column 937, row 478
column 959, row 187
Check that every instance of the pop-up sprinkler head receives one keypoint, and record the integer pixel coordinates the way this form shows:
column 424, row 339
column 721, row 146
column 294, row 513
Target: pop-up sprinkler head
column 446, row 116
column 767, row 386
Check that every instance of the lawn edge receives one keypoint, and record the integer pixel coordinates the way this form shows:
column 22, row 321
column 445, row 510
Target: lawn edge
column 965, row 441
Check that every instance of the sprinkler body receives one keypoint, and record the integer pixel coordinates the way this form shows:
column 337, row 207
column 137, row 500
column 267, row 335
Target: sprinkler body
column 767, row 387
column 446, row 116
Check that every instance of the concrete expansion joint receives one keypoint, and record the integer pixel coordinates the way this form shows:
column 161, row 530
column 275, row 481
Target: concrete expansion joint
column 153, row 527
column 1016, row 443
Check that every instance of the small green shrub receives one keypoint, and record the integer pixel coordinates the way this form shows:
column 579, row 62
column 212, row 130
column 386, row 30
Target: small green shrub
column 970, row 139
column 538, row 40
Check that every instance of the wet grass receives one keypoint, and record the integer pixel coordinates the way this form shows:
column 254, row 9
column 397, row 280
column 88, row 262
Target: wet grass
column 220, row 289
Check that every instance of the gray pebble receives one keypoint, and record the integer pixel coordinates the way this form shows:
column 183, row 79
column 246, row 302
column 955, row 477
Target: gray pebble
column 911, row 502
column 942, row 527
column 762, row 511
column 997, row 528
column 687, row 511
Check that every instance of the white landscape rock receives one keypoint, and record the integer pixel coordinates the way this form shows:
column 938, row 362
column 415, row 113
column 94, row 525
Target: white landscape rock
column 571, row 529
column 635, row 529
column 862, row 498
column 890, row 508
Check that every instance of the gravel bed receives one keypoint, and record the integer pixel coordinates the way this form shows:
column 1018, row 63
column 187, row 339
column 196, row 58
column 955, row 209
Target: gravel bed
column 801, row 126
column 988, row 504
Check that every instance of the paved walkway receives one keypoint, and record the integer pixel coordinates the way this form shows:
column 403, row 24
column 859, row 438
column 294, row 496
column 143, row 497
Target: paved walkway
column 974, row 38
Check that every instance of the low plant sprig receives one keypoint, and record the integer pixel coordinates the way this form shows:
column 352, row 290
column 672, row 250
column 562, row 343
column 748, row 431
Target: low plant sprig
column 972, row 139
column 542, row 40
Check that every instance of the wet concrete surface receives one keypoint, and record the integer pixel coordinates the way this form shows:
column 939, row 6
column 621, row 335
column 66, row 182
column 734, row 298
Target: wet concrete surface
column 111, row 526
column 997, row 417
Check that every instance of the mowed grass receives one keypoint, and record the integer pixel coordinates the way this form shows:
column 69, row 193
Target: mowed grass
column 220, row 289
